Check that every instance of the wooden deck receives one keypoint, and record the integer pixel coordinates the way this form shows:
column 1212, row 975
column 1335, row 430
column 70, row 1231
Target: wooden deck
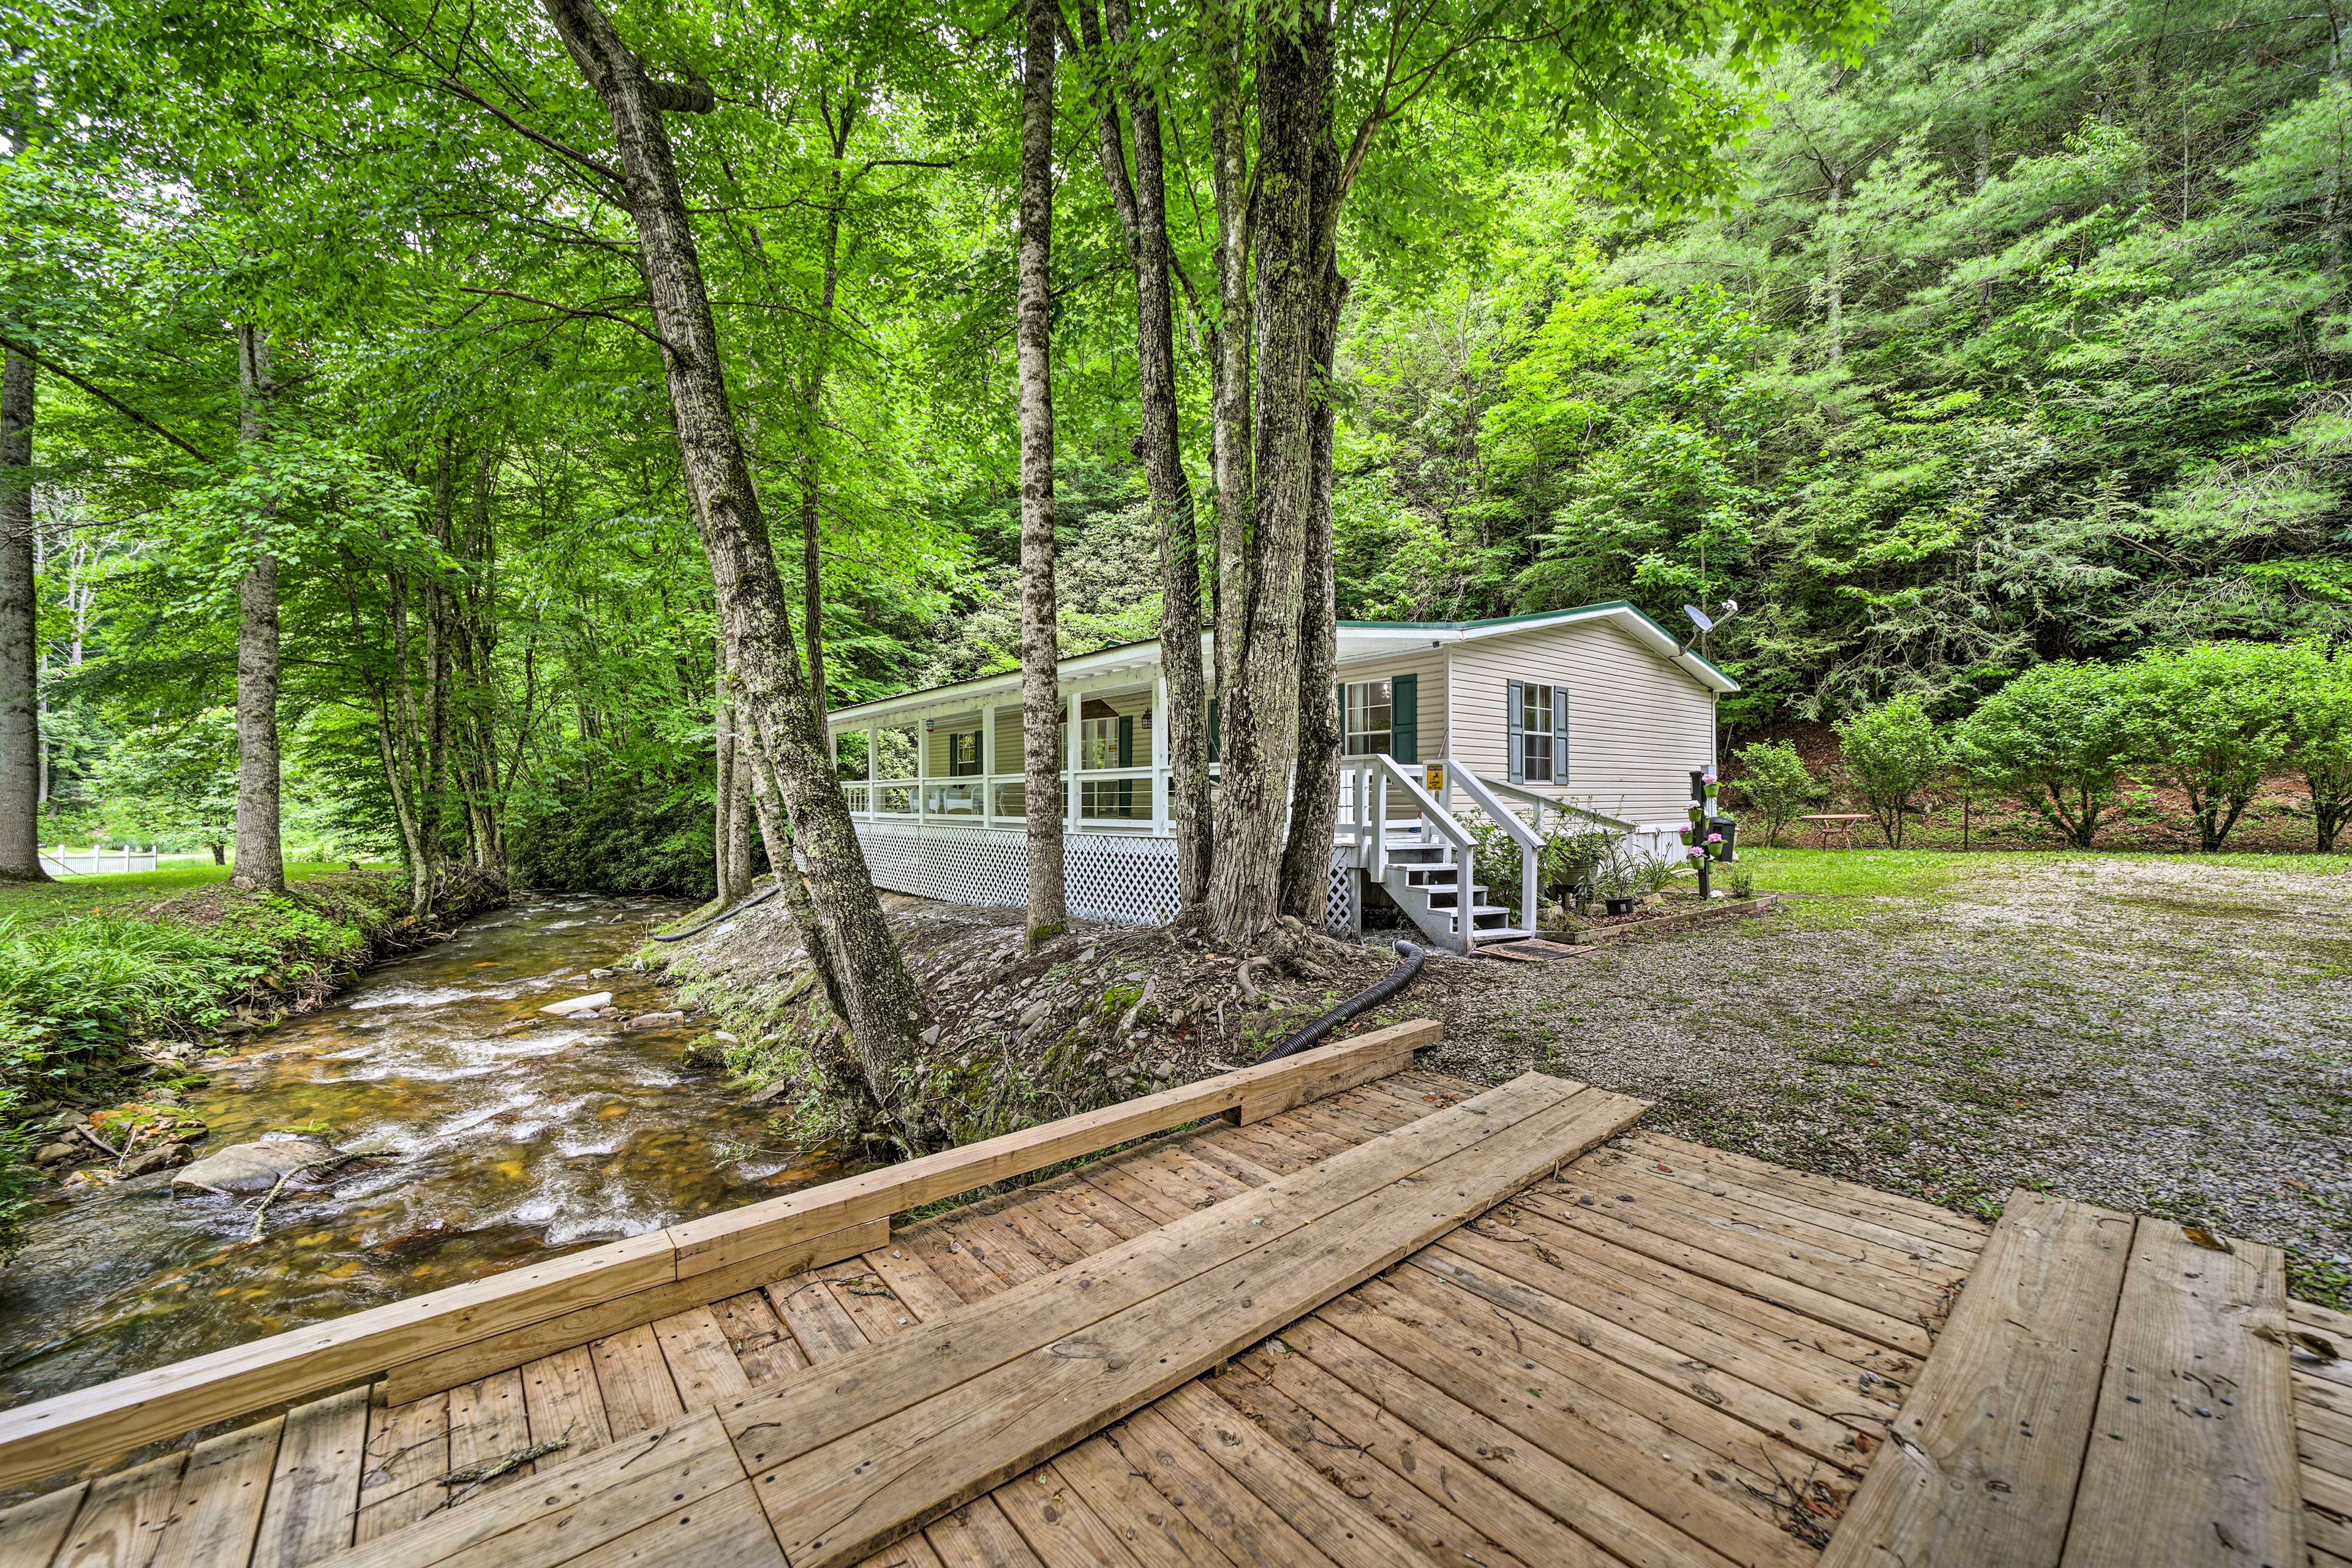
column 1410, row 1322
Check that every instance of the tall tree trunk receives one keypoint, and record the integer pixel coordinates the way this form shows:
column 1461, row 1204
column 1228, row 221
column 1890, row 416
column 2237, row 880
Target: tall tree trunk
column 1230, row 440
column 1142, row 205
column 1833, row 286
column 1041, row 740
column 735, row 789
column 433, row 785
column 1314, row 796
column 1259, row 726
column 20, row 644
column 260, row 859
column 881, row 1003
column 722, row 792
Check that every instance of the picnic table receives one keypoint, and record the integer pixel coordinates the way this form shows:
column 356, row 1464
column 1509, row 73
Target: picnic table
column 1841, row 821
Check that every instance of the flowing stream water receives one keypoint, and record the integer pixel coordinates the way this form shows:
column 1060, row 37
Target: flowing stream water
column 502, row 1147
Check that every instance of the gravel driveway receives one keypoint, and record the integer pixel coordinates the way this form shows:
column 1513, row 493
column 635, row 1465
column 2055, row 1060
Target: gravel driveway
column 2167, row 1037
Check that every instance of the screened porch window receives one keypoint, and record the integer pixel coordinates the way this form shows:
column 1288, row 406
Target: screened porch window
column 1370, row 718
column 964, row 754
column 1536, row 733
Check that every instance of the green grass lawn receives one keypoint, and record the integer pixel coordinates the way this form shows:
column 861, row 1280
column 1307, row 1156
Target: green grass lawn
column 69, row 897
column 1860, row 873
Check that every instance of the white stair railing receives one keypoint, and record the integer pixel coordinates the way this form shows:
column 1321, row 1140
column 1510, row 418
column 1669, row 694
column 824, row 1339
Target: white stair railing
column 1458, row 847
column 1528, row 840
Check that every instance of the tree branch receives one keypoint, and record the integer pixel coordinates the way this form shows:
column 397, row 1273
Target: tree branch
column 644, row 332
column 109, row 399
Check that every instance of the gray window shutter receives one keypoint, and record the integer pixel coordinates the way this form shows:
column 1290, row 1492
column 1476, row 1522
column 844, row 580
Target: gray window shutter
column 1405, row 718
column 1516, row 693
column 1560, row 735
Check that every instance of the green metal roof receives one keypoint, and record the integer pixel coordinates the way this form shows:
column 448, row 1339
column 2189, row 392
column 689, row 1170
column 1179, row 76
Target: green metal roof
column 1534, row 618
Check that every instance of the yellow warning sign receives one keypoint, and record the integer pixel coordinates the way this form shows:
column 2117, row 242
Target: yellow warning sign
column 1432, row 777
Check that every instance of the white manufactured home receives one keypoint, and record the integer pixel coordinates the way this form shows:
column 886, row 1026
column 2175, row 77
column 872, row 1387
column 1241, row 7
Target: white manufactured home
column 1597, row 712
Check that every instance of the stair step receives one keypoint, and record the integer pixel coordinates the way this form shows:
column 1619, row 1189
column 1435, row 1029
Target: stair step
column 1484, row 934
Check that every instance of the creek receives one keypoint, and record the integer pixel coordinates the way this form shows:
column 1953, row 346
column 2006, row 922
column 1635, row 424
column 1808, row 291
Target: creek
column 500, row 1147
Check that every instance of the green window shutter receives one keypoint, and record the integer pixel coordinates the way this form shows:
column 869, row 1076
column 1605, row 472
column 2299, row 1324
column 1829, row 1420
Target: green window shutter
column 1560, row 735
column 1404, row 719
column 1127, row 740
column 1515, row 693
column 1212, row 729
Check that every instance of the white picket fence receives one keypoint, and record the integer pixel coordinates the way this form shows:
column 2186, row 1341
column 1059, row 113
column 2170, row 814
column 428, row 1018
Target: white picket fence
column 96, row 861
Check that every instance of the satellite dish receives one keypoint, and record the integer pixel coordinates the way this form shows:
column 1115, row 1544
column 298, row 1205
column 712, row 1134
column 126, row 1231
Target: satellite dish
column 1699, row 617
column 1704, row 622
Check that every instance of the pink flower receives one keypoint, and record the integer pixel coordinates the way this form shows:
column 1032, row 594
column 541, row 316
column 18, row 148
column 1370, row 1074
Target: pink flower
column 1715, row 838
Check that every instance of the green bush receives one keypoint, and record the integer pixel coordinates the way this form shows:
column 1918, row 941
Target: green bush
column 1892, row 752
column 2212, row 721
column 2317, row 693
column 2055, row 737
column 1774, row 784
column 629, row 831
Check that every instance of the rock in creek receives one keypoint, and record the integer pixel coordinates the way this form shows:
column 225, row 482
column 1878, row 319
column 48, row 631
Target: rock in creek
column 652, row 1021
column 161, row 1158
column 587, row 1003
column 255, row 1168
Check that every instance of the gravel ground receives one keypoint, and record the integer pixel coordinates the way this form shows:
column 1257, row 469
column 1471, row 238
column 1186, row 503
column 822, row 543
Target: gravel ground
column 2173, row 1038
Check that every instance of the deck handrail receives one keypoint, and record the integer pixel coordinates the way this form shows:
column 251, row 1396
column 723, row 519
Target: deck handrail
column 456, row 1335
column 1463, row 849
column 1540, row 800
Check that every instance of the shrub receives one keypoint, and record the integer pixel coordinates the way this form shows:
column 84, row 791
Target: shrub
column 1774, row 784
column 2054, row 737
column 2317, row 698
column 2212, row 721
column 628, row 831
column 1892, row 752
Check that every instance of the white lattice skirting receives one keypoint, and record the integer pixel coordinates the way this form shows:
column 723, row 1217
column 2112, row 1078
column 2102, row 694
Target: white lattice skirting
column 1126, row 879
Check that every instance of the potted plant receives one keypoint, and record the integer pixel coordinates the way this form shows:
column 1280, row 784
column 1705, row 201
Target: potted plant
column 1616, row 879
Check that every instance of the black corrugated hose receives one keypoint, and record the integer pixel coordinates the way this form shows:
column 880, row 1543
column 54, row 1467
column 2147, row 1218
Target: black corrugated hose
column 736, row 910
column 1363, row 1000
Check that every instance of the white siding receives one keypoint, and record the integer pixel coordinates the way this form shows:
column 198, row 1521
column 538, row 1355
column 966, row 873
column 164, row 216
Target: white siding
column 1429, row 665
column 1637, row 723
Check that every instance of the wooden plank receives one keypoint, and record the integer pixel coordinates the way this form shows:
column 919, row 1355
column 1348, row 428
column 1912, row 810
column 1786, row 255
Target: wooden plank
column 1898, row 1209
column 1697, row 1255
column 1696, row 1297
column 31, row 1532
column 764, row 1347
column 820, row 1323
column 719, row 1239
column 489, row 1421
column 1868, row 1276
column 1153, row 1530
column 447, row 1368
column 1013, row 1323
column 2192, row 1455
column 980, row 1537
column 121, row 1518
column 1982, row 1464
column 914, row 1281
column 1057, row 1523
column 90, row 1423
column 573, row 1509
column 407, row 1454
column 1758, row 1403
column 218, row 1512
column 723, row 1531
column 1345, row 1530
column 639, row 1394
column 1579, row 1300
column 560, row 1395
column 1953, row 1247
column 1475, row 1441
column 314, row 1491
column 836, row 1503
column 1302, row 1404
column 701, row 1361
column 1243, row 1530
column 1644, row 1456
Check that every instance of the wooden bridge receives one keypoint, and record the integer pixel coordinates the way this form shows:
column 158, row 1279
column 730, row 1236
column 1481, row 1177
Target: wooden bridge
column 1374, row 1317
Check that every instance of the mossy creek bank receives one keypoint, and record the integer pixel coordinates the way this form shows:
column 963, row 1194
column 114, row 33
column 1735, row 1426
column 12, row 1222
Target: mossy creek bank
column 470, row 1131
column 1099, row 1013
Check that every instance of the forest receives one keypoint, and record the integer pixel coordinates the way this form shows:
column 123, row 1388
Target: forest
column 357, row 389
